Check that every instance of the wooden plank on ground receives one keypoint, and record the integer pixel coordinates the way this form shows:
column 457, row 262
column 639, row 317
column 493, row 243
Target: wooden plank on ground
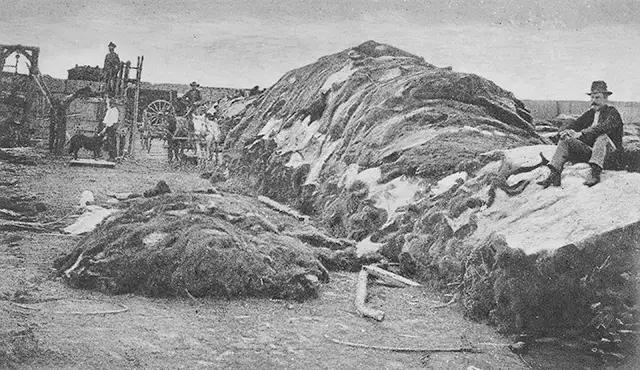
column 361, row 298
column 389, row 276
column 91, row 163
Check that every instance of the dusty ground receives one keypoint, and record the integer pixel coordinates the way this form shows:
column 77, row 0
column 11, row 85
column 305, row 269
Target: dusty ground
column 182, row 333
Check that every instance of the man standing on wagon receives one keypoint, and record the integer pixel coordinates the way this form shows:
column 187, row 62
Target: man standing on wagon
column 111, row 69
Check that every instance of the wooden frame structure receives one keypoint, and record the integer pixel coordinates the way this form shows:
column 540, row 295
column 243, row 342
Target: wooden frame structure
column 17, row 94
column 32, row 53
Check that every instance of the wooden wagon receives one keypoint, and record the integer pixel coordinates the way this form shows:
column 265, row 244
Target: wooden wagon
column 173, row 122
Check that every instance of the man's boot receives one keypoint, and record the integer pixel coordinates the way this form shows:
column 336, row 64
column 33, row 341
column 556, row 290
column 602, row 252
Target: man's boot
column 553, row 178
column 594, row 176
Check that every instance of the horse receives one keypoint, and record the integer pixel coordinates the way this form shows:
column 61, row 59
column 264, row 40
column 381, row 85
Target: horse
column 177, row 131
column 206, row 132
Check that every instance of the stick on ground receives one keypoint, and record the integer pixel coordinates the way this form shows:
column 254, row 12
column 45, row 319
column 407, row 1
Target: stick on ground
column 403, row 349
column 122, row 309
column 191, row 296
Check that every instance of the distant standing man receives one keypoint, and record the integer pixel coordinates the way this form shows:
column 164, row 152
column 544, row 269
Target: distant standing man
column 110, row 120
column 193, row 98
column 58, row 123
column 111, row 69
column 595, row 137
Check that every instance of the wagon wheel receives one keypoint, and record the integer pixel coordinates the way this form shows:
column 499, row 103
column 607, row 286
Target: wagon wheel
column 157, row 111
column 155, row 119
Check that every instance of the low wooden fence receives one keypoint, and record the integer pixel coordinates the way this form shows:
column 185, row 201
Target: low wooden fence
column 548, row 109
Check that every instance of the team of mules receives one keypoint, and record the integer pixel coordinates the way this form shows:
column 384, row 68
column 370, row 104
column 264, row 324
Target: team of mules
column 191, row 129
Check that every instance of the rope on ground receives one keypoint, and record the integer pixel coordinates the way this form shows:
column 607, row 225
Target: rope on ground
column 403, row 349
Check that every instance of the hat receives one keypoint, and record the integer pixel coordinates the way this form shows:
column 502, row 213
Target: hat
column 599, row 87
column 112, row 44
column 194, row 84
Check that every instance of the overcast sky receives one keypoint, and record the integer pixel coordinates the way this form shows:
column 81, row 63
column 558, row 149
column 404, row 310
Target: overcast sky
column 539, row 49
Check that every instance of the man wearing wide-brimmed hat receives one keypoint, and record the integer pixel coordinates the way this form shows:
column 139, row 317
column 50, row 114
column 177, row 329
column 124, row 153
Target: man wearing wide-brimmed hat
column 595, row 137
column 193, row 98
column 111, row 69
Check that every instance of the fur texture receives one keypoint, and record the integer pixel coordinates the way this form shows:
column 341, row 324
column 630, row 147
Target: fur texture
column 93, row 144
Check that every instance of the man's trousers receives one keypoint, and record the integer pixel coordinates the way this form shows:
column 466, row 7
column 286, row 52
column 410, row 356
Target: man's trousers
column 576, row 151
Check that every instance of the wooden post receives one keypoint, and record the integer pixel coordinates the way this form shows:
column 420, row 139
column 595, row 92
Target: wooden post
column 127, row 68
column 134, row 118
column 361, row 298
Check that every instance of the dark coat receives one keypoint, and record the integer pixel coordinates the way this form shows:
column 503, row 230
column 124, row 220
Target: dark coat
column 111, row 64
column 609, row 123
column 192, row 96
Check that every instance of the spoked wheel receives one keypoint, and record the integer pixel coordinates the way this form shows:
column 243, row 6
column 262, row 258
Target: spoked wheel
column 155, row 117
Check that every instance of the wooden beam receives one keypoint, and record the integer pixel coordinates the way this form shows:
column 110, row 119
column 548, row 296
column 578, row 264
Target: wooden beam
column 361, row 298
column 91, row 163
column 388, row 276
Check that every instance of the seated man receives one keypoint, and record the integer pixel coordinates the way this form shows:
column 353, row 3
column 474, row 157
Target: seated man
column 193, row 98
column 595, row 137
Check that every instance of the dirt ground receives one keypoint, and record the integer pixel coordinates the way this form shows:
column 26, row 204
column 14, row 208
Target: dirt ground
column 183, row 333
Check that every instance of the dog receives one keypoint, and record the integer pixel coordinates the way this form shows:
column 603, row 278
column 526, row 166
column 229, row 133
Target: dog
column 93, row 144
